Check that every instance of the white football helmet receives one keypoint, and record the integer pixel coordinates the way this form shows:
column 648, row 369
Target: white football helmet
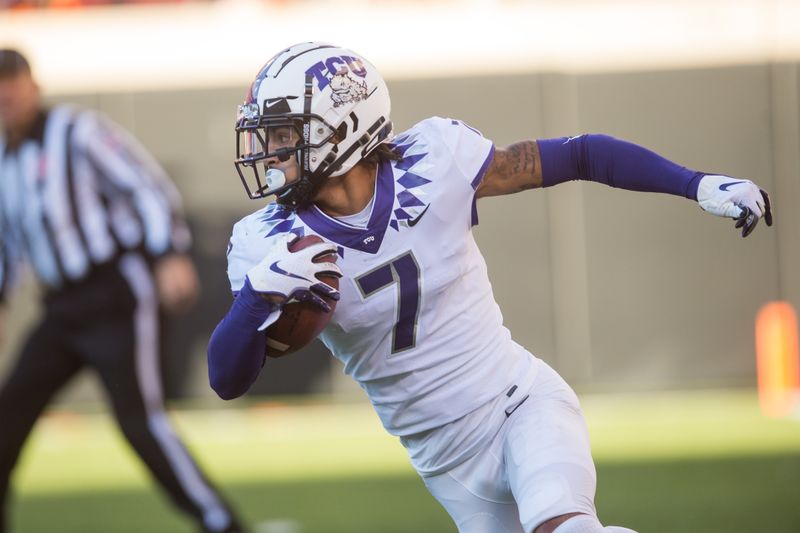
column 326, row 105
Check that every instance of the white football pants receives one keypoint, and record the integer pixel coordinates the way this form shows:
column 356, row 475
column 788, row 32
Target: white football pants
column 537, row 467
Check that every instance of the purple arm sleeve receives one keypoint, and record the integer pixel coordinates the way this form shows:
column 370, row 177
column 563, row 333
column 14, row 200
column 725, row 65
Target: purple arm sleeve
column 236, row 350
column 616, row 163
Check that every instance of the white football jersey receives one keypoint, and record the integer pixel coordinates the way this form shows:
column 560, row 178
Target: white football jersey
column 417, row 325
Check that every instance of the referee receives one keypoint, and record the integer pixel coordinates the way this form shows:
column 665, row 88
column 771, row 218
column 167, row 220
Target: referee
column 100, row 224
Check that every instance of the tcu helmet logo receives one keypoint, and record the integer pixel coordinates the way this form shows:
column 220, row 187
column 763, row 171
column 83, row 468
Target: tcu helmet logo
column 346, row 89
column 335, row 71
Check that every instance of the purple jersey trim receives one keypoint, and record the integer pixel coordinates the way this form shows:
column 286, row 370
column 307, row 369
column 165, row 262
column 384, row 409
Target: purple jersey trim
column 476, row 183
column 482, row 172
column 368, row 239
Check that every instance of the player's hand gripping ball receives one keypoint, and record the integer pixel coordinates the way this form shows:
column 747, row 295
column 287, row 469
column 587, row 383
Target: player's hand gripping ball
column 303, row 317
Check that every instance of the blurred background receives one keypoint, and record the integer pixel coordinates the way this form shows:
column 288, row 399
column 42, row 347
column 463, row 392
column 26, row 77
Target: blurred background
column 644, row 303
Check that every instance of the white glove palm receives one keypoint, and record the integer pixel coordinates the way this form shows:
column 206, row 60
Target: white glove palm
column 739, row 199
column 292, row 276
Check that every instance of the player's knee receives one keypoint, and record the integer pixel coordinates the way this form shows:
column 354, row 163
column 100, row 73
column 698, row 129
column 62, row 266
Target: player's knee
column 561, row 491
column 578, row 523
column 549, row 526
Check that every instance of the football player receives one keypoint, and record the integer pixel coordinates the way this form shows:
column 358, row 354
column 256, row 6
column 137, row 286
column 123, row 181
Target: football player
column 498, row 437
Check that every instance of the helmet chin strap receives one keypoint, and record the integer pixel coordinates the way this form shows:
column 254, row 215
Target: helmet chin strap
column 300, row 194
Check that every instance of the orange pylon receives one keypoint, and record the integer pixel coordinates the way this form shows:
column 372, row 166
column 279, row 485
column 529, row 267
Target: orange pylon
column 777, row 358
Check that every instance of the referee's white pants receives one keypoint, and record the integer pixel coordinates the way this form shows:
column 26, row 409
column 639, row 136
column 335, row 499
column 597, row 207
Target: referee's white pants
column 537, row 467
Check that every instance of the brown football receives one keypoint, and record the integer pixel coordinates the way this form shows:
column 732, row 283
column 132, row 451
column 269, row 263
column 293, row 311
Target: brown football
column 301, row 322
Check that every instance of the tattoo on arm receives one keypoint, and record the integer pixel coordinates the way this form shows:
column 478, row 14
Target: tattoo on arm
column 523, row 158
column 515, row 168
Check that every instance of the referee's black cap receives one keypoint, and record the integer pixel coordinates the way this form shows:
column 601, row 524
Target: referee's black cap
column 12, row 62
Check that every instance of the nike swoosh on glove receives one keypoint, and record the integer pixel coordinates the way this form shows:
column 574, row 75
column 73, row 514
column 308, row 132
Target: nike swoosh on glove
column 292, row 276
column 735, row 198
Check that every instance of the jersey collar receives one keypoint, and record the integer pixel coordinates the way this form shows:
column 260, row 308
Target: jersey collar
column 367, row 239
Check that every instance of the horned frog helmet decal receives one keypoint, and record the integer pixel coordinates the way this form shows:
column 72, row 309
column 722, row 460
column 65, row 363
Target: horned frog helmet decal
column 346, row 89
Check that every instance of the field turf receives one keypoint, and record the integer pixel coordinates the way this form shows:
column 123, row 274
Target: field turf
column 689, row 462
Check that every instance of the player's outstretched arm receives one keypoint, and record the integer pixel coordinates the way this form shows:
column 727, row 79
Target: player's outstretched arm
column 621, row 164
column 237, row 348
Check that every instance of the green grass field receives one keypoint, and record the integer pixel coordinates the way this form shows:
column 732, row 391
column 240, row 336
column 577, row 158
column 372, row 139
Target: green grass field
column 698, row 462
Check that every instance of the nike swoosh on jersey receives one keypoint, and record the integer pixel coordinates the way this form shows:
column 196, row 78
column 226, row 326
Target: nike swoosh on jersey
column 275, row 268
column 724, row 186
column 413, row 221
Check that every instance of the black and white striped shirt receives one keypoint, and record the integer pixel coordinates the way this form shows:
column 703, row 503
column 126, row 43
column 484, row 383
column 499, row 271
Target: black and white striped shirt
column 78, row 192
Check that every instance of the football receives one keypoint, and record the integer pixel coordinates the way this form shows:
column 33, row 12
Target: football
column 301, row 322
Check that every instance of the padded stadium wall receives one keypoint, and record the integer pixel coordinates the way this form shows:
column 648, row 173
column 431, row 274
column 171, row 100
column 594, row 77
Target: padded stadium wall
column 613, row 288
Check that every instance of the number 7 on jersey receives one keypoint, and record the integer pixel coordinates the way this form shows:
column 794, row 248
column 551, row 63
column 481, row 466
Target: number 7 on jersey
column 404, row 271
